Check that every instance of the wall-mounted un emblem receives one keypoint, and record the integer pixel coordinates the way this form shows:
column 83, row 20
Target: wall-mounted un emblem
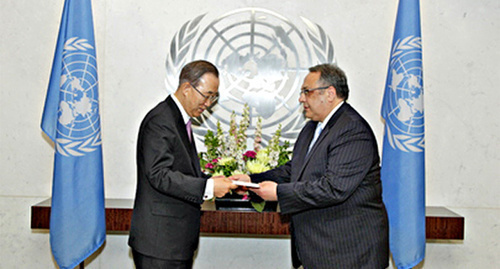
column 78, row 127
column 405, row 110
column 262, row 58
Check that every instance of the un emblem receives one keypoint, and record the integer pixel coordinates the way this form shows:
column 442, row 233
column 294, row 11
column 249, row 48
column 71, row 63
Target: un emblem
column 262, row 58
column 78, row 124
column 405, row 128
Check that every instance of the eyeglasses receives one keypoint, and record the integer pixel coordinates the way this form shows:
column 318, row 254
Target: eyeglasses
column 307, row 91
column 211, row 98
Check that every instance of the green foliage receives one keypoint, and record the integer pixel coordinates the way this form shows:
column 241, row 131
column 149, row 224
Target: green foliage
column 285, row 154
column 212, row 144
column 259, row 207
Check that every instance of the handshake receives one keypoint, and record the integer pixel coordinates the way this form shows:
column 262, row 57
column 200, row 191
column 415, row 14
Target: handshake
column 241, row 183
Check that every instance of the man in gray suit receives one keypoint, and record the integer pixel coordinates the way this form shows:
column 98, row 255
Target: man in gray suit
column 331, row 187
column 165, row 224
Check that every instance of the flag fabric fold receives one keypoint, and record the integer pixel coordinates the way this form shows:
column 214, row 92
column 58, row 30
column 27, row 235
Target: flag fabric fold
column 403, row 158
column 71, row 120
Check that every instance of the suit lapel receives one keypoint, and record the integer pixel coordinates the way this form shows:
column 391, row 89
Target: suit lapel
column 303, row 150
column 300, row 153
column 195, row 159
column 308, row 157
column 181, row 129
column 309, row 134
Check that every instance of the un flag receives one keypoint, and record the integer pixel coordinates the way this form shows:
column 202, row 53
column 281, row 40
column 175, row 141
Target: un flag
column 403, row 159
column 71, row 120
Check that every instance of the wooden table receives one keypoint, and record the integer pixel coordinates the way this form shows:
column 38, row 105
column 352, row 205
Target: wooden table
column 440, row 222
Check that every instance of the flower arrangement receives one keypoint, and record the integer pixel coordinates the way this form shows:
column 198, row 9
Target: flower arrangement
column 227, row 154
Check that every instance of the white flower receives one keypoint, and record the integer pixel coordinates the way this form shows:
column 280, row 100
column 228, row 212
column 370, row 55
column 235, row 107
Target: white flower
column 258, row 135
column 273, row 156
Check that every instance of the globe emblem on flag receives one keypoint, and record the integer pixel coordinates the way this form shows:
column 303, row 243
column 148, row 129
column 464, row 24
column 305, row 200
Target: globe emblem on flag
column 406, row 101
column 78, row 125
column 262, row 58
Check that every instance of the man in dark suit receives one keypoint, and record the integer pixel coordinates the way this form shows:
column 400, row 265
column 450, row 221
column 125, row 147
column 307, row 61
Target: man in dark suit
column 165, row 224
column 331, row 187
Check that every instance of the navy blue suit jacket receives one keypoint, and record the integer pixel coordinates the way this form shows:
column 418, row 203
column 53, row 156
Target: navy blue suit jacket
column 334, row 196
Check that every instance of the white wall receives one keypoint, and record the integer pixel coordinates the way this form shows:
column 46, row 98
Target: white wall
column 461, row 77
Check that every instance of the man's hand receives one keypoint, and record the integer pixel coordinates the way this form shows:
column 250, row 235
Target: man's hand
column 222, row 186
column 267, row 191
column 243, row 178
column 240, row 177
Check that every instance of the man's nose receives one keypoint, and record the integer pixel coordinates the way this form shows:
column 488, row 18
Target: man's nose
column 301, row 98
column 208, row 102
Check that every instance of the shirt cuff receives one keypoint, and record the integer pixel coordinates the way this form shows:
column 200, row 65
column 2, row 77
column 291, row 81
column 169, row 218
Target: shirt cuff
column 209, row 189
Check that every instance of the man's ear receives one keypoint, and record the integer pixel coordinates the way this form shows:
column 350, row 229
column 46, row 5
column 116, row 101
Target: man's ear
column 185, row 88
column 332, row 93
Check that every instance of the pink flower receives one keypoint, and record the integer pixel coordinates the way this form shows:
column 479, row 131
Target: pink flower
column 209, row 166
column 250, row 154
column 216, row 160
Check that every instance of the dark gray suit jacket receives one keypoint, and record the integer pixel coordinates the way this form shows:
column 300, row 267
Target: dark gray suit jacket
column 170, row 187
column 334, row 196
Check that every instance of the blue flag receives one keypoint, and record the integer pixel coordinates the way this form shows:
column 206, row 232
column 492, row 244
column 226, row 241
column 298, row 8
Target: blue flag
column 71, row 120
column 403, row 162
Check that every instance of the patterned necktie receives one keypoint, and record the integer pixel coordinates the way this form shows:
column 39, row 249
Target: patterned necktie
column 317, row 132
column 188, row 129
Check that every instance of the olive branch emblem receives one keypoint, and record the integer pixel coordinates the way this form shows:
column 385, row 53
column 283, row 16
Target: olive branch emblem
column 75, row 43
column 408, row 43
column 322, row 45
column 67, row 147
column 180, row 44
column 405, row 143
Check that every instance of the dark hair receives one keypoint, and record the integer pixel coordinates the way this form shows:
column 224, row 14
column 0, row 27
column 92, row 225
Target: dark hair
column 193, row 71
column 332, row 75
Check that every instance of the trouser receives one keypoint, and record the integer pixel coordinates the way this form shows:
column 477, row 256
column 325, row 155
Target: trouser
column 146, row 262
